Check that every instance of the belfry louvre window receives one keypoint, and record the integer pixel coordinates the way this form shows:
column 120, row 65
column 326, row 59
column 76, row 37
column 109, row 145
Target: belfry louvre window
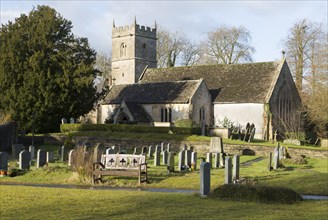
column 166, row 115
column 123, row 50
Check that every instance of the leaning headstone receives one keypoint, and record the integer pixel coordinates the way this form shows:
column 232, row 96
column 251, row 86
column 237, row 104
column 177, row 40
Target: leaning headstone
column 194, row 161
column 247, row 132
column 235, row 171
column 62, row 153
column 71, row 157
column 50, row 157
column 252, row 134
column 164, row 156
column 216, row 145
column 41, row 158
column 150, row 151
column 216, row 163
column 98, row 151
column 3, row 161
column 270, row 162
column 209, row 158
column 64, row 121
column 157, row 158
column 16, row 149
column 188, row 158
column 72, row 121
column 24, row 160
column 205, row 179
column 170, row 162
column 228, row 171
column 31, row 149
column 181, row 161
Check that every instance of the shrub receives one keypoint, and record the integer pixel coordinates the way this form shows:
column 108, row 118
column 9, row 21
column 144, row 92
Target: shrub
column 82, row 163
column 250, row 193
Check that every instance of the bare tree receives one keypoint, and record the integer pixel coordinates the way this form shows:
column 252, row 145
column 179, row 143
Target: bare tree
column 174, row 47
column 227, row 45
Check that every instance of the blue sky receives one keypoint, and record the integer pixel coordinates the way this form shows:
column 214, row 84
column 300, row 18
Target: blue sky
column 268, row 21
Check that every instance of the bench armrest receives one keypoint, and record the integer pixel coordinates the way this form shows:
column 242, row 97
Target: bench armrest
column 98, row 164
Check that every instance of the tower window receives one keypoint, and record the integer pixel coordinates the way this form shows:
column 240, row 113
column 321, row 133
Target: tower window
column 144, row 51
column 123, row 50
column 144, row 46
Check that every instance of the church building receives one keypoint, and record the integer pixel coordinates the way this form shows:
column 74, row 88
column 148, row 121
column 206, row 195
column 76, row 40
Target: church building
column 260, row 93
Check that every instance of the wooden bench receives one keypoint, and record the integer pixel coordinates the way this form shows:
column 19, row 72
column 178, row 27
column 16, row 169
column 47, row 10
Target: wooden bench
column 120, row 165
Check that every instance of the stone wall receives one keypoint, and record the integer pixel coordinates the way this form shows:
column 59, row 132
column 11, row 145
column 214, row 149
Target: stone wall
column 200, row 147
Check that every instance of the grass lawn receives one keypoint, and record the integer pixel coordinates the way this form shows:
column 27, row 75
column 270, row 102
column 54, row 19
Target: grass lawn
column 21, row 202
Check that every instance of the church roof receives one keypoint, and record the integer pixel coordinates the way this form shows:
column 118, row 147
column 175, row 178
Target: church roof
column 233, row 83
column 138, row 112
column 157, row 92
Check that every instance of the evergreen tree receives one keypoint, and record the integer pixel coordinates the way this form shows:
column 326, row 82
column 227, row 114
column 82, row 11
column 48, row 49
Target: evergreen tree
column 46, row 73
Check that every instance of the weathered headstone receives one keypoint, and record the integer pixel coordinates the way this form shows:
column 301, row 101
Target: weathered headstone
column 170, row 162
column 64, row 121
column 228, row 171
column 188, row 158
column 235, row 171
column 252, row 134
column 222, row 159
column 168, row 147
column 16, row 149
column 216, row 145
column 205, row 178
column 158, row 148
column 135, row 150
column 72, row 121
column 162, row 146
column 181, row 162
column 24, row 160
column 71, row 158
column 270, row 162
column 31, row 149
column 194, row 161
column 50, row 157
column 209, row 158
column 41, row 158
column 150, row 151
column 276, row 158
column 247, row 132
column 144, row 150
column 282, row 153
column 98, row 151
column 216, row 163
column 110, row 151
column 3, row 161
column 164, row 156
column 157, row 158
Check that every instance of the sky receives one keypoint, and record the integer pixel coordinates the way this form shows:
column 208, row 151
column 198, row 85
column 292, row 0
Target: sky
column 267, row 21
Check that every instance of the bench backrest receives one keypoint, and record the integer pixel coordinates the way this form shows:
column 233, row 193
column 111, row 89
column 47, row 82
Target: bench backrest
column 121, row 161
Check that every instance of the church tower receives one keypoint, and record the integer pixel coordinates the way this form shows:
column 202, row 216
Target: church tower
column 133, row 49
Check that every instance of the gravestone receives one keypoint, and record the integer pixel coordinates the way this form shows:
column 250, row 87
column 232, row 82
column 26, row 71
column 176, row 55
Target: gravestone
column 282, row 153
column 168, row 147
column 252, row 134
column 157, row 158
column 216, row 163
column 270, row 162
column 158, row 148
column 41, row 158
column 185, row 147
column 16, row 149
column 50, row 157
column 110, row 151
column 150, row 151
column 247, row 132
column 202, row 160
column 209, row 158
column 63, row 153
column 31, row 149
column 98, row 151
column 71, row 158
column 216, row 145
column 72, row 121
column 170, row 162
column 205, row 178
column 194, row 161
column 164, row 156
column 191, row 148
column 235, row 171
column 64, row 121
column 135, row 150
column 222, row 159
column 162, row 146
column 181, row 162
column 24, row 160
column 228, row 171
column 144, row 150
column 276, row 158
column 3, row 161
column 188, row 158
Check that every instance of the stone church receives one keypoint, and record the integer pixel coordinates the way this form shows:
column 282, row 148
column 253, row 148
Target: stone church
column 260, row 93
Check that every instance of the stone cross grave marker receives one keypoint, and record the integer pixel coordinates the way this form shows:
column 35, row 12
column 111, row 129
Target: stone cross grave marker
column 41, row 158
column 205, row 178
column 235, row 171
column 228, row 171
column 3, row 161
column 24, row 160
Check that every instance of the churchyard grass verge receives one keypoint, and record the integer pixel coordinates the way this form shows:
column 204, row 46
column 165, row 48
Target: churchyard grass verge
column 22, row 202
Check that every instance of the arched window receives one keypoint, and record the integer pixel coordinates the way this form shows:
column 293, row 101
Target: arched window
column 166, row 115
column 123, row 50
column 144, row 51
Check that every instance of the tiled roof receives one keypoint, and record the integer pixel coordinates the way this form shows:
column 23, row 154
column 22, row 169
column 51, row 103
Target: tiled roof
column 233, row 83
column 158, row 92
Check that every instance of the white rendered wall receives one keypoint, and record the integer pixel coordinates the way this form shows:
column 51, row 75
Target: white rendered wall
column 107, row 110
column 241, row 114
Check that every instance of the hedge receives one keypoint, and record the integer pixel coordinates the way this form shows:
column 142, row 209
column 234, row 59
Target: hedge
column 127, row 128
